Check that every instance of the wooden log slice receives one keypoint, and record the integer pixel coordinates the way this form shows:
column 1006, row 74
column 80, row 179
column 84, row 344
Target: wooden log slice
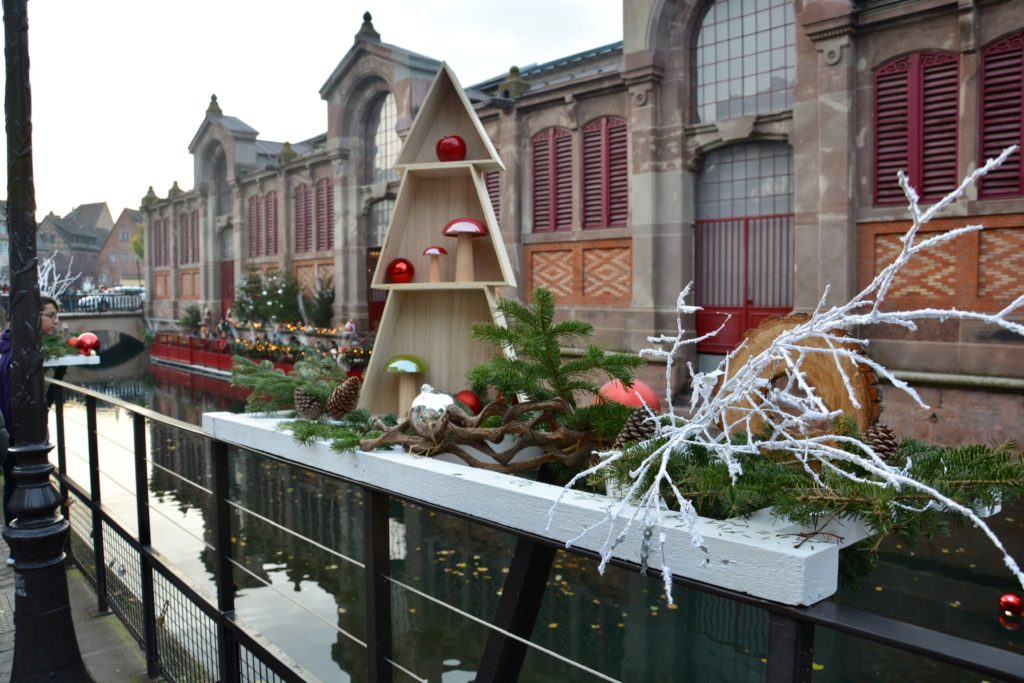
column 820, row 371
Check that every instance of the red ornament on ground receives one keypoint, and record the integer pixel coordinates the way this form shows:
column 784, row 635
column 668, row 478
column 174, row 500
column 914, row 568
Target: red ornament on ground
column 470, row 399
column 617, row 392
column 1011, row 604
column 400, row 271
column 451, row 148
column 87, row 341
column 1010, row 623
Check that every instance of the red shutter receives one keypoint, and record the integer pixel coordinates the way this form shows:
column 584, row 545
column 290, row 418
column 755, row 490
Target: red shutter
column 940, row 78
column 155, row 250
column 270, row 221
column 1002, row 97
column 324, row 216
column 562, row 185
column 541, row 178
column 892, row 129
column 254, row 226
column 605, row 173
column 492, row 180
column 618, row 174
column 302, row 219
column 183, row 238
column 195, row 236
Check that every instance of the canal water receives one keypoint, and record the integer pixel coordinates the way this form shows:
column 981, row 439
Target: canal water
column 299, row 537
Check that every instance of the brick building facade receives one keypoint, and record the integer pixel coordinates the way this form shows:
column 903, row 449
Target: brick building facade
column 749, row 146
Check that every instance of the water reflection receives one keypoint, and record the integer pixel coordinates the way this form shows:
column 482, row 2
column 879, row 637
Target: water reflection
column 306, row 597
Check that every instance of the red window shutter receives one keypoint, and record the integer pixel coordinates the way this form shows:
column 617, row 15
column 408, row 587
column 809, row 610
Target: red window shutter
column 1002, row 111
column 917, row 100
column 492, row 180
column 892, row 129
column 302, row 219
column 562, row 186
column 940, row 100
column 195, row 236
column 155, row 251
column 324, row 215
column 270, row 221
column 541, row 179
column 254, row 226
column 183, row 237
column 605, row 173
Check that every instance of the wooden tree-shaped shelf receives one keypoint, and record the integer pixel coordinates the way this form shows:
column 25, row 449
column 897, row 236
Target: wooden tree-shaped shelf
column 433, row 320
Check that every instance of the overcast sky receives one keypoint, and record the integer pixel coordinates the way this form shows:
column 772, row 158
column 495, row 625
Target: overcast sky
column 119, row 87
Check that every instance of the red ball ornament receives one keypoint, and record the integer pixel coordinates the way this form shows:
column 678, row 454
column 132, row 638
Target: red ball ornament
column 451, row 148
column 87, row 341
column 470, row 400
column 73, row 342
column 1011, row 604
column 400, row 271
column 617, row 392
column 1009, row 622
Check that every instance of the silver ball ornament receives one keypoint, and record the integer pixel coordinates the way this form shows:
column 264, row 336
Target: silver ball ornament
column 427, row 411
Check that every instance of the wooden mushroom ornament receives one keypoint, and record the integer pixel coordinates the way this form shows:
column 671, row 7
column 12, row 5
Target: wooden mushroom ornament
column 408, row 367
column 435, row 254
column 465, row 229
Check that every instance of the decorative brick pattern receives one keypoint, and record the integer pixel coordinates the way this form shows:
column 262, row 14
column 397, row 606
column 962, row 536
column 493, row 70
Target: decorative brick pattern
column 161, row 290
column 607, row 273
column 307, row 272
column 931, row 274
column 1001, row 264
column 553, row 271
column 188, row 285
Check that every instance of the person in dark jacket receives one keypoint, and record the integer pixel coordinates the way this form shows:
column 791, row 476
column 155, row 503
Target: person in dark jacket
column 50, row 317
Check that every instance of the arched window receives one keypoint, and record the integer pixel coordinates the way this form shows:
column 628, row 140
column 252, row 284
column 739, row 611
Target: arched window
column 195, row 236
column 1002, row 110
column 552, row 180
column 605, row 173
column 255, row 228
column 303, row 219
column 221, row 190
column 324, row 215
column 744, row 59
column 382, row 142
column 270, row 222
column 752, row 179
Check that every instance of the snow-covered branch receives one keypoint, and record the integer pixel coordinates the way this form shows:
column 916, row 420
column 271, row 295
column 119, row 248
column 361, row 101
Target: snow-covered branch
column 771, row 399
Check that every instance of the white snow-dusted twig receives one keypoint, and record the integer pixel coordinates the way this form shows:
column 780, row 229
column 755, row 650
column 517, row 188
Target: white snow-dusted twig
column 51, row 282
column 730, row 398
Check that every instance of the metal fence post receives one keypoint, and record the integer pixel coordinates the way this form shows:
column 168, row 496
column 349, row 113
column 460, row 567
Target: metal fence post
column 376, row 541
column 145, row 540
column 95, row 501
column 790, row 648
column 227, row 649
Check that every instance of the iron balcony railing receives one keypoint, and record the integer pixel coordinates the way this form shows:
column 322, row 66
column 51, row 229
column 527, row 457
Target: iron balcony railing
column 189, row 635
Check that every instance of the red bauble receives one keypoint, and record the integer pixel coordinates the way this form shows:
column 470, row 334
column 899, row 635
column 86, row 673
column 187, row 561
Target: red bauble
column 617, row 392
column 451, row 148
column 470, row 399
column 73, row 342
column 1011, row 605
column 1010, row 623
column 400, row 271
column 87, row 341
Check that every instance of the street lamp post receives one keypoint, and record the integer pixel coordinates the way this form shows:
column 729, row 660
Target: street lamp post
column 45, row 648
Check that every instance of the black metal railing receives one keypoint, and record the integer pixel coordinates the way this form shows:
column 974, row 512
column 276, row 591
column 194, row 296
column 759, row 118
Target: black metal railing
column 189, row 635
column 101, row 302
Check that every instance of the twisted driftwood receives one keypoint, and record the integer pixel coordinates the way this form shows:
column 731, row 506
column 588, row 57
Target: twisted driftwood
column 455, row 429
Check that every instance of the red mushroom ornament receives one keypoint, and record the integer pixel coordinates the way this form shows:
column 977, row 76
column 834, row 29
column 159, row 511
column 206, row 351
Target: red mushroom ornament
column 435, row 254
column 465, row 229
column 88, row 344
column 616, row 391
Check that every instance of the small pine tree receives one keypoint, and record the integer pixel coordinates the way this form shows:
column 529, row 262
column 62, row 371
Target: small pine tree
column 191, row 318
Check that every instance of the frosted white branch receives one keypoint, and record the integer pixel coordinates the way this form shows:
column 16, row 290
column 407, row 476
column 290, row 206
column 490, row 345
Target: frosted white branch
column 729, row 398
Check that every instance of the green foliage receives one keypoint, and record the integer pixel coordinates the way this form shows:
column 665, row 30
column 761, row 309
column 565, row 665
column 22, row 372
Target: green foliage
column 247, row 297
column 55, row 346
column 536, row 340
column 320, row 306
column 273, row 390
column 148, row 337
column 976, row 476
column 192, row 318
column 138, row 244
column 275, row 296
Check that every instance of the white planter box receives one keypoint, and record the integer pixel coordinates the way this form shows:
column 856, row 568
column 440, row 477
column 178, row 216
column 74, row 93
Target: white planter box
column 760, row 556
column 71, row 359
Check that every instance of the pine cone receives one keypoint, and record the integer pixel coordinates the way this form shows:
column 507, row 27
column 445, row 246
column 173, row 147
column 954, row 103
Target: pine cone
column 344, row 398
column 635, row 429
column 307, row 405
column 883, row 439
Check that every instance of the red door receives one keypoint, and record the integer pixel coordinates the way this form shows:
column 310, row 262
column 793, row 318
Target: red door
column 375, row 298
column 744, row 274
column 227, row 286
